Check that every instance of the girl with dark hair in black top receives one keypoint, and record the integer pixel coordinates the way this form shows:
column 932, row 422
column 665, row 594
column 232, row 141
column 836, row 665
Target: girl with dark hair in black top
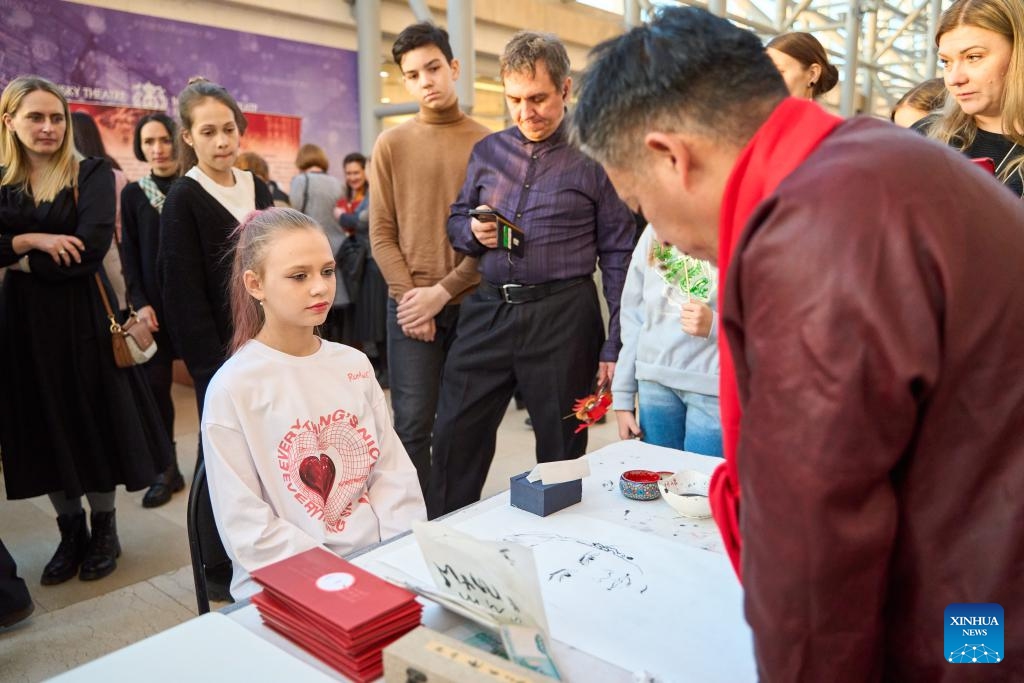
column 201, row 212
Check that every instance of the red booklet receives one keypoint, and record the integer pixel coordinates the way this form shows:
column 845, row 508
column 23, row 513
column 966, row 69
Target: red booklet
column 374, row 638
column 359, row 674
column 335, row 610
column 332, row 590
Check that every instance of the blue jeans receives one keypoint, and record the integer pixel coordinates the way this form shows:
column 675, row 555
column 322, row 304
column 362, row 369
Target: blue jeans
column 414, row 373
column 684, row 420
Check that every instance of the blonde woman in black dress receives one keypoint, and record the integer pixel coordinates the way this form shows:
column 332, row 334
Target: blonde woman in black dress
column 71, row 422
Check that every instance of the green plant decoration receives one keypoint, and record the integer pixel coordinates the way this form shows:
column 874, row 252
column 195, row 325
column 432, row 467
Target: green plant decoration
column 691, row 276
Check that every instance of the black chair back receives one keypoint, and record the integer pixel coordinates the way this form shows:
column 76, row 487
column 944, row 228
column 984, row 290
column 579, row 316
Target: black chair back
column 198, row 506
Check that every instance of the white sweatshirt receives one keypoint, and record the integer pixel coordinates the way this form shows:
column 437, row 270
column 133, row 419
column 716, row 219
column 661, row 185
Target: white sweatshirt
column 654, row 346
column 301, row 452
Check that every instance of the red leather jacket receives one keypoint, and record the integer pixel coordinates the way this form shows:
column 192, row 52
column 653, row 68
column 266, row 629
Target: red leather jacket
column 875, row 311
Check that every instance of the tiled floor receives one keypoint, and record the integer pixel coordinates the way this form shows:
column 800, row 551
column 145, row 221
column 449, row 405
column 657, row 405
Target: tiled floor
column 152, row 589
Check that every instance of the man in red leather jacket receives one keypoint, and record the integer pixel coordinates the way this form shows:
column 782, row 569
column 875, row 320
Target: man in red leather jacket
column 873, row 382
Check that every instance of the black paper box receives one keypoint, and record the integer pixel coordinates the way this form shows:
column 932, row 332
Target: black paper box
column 543, row 499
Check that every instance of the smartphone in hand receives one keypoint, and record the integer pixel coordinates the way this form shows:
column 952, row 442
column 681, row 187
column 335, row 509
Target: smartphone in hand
column 484, row 215
column 985, row 163
column 510, row 237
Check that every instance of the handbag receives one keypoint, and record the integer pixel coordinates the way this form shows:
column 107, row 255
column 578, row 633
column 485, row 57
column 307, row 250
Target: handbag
column 132, row 342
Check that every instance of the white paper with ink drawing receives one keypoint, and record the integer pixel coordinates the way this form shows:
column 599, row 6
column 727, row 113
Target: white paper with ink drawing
column 499, row 579
column 635, row 600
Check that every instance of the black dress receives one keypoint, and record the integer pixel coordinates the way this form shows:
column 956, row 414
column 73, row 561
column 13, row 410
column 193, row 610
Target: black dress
column 140, row 240
column 70, row 419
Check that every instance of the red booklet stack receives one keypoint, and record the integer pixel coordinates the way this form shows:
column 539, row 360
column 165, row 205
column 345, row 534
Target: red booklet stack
column 335, row 610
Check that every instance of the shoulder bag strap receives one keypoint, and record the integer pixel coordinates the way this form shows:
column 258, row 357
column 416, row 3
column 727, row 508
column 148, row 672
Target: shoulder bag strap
column 305, row 193
column 114, row 327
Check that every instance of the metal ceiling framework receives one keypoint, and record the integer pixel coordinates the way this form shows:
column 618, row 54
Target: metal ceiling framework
column 881, row 48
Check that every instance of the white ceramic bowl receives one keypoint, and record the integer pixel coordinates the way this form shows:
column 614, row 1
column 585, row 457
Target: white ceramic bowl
column 687, row 492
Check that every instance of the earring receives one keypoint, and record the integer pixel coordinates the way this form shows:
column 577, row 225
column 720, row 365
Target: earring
column 811, row 84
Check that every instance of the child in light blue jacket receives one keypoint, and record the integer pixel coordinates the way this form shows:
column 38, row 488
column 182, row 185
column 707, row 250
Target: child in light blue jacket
column 669, row 358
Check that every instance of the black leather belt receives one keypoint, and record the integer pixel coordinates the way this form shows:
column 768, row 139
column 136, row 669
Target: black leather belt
column 512, row 293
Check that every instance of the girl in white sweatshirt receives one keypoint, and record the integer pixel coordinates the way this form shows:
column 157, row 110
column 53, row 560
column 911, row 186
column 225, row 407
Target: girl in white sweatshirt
column 300, row 448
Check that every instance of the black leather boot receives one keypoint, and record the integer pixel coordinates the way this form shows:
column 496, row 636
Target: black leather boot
column 74, row 543
column 104, row 548
column 167, row 483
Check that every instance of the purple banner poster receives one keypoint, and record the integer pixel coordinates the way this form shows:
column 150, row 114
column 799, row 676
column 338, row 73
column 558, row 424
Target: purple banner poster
column 119, row 58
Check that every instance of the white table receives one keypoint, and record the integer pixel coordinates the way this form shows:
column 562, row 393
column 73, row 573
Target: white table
column 713, row 643
column 211, row 648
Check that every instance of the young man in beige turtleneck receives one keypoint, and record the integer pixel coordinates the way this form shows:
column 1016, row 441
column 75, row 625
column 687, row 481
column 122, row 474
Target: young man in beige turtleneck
column 416, row 171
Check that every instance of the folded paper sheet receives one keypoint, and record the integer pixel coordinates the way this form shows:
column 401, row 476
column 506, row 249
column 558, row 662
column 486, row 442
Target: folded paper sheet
column 498, row 581
column 559, row 471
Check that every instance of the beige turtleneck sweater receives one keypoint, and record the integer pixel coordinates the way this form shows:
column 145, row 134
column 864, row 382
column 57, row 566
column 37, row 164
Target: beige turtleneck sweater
column 416, row 171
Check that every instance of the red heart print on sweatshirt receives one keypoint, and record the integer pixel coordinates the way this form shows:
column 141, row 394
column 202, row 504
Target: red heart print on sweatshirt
column 318, row 474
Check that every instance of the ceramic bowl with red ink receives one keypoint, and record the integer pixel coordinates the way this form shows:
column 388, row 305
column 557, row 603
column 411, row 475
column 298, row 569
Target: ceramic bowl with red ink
column 641, row 484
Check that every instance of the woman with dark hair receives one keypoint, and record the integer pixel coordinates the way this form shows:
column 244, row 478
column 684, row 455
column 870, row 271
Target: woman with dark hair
column 71, row 422
column 803, row 64
column 981, row 49
column 201, row 211
column 89, row 143
column 141, row 205
column 369, row 292
column 356, row 185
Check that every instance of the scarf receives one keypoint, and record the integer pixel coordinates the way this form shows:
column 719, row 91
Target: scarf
column 153, row 194
column 782, row 143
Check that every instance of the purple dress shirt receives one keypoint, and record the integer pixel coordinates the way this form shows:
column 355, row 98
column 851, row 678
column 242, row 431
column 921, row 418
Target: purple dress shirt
column 568, row 210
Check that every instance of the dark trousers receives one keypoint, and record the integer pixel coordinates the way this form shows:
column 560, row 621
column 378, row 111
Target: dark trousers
column 414, row 373
column 548, row 348
column 14, row 594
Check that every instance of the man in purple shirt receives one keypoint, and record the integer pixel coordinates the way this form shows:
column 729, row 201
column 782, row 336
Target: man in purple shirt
column 534, row 322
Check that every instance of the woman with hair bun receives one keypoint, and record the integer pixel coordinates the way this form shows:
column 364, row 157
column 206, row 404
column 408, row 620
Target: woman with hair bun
column 803, row 64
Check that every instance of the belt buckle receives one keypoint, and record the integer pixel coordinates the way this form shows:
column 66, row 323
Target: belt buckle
column 505, row 291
